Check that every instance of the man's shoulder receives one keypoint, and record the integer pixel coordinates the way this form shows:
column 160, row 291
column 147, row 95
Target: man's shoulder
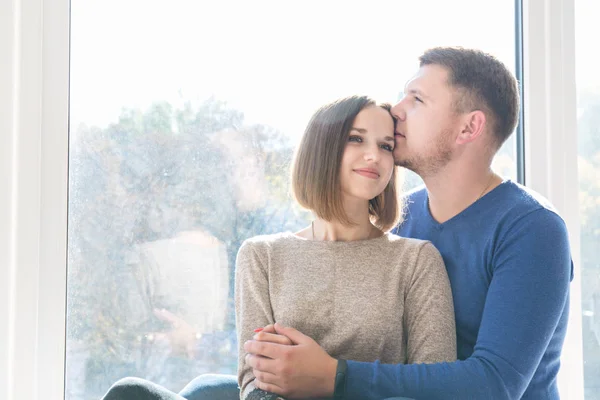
column 525, row 197
column 532, row 224
column 414, row 200
column 418, row 192
column 528, row 219
column 509, row 204
column 518, row 202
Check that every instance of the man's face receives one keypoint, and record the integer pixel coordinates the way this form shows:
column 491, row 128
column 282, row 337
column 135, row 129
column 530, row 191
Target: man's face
column 427, row 124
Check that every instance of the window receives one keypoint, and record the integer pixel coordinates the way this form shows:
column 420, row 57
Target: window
column 588, row 120
column 183, row 118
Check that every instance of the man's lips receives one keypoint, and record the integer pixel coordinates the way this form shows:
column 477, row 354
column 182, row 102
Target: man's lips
column 367, row 172
column 396, row 134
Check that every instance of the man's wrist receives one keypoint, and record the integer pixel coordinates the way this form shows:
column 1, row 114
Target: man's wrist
column 328, row 384
column 339, row 390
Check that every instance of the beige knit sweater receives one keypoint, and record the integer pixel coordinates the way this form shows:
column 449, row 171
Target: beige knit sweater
column 384, row 299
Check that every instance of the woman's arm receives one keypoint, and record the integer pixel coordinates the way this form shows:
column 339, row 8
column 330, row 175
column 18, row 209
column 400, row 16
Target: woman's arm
column 252, row 309
column 429, row 311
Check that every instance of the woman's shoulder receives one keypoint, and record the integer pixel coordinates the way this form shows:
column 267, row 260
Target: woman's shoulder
column 406, row 243
column 263, row 249
column 269, row 241
column 273, row 238
column 416, row 251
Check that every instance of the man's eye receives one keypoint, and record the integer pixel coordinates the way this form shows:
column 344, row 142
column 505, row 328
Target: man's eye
column 418, row 99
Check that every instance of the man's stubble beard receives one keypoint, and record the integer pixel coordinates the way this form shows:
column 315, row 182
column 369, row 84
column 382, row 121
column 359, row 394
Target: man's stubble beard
column 429, row 164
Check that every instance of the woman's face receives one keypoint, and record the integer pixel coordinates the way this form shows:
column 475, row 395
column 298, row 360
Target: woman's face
column 368, row 160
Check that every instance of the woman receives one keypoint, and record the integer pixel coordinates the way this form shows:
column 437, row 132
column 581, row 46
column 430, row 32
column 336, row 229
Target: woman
column 360, row 292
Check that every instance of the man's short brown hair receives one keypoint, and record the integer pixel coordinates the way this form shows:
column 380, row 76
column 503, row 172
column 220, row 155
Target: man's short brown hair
column 316, row 167
column 483, row 83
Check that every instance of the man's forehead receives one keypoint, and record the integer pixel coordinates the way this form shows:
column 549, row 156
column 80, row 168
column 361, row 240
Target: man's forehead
column 428, row 79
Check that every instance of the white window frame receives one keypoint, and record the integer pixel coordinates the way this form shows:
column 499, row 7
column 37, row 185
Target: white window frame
column 550, row 123
column 34, row 82
column 34, row 88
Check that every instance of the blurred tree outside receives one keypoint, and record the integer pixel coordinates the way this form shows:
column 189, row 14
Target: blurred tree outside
column 141, row 184
column 156, row 174
column 589, row 206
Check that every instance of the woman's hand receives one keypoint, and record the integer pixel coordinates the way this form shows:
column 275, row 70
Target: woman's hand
column 303, row 370
column 268, row 334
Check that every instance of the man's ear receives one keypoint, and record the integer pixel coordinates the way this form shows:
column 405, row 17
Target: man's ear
column 473, row 126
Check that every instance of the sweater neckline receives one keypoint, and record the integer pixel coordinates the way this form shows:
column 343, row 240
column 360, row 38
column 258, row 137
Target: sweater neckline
column 382, row 238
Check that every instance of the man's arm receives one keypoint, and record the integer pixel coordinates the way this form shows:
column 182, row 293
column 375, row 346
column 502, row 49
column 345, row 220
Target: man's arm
column 527, row 295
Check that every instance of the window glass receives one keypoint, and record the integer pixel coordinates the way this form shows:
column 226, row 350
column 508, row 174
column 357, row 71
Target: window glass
column 588, row 131
column 183, row 120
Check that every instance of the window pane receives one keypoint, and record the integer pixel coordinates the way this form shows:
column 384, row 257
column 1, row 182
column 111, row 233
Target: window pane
column 184, row 116
column 588, row 120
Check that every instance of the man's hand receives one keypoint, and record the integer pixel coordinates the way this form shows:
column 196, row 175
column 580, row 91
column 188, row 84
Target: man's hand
column 298, row 371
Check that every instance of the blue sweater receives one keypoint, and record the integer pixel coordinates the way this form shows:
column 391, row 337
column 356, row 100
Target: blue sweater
column 509, row 264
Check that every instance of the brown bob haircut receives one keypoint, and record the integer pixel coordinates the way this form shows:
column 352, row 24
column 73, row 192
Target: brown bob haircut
column 316, row 166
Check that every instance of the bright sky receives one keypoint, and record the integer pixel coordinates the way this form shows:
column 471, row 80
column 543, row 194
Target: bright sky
column 276, row 61
column 587, row 33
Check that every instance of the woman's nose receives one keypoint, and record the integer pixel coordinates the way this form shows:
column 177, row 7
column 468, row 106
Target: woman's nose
column 372, row 154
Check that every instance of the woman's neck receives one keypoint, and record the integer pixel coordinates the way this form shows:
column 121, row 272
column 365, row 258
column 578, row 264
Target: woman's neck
column 339, row 232
column 360, row 227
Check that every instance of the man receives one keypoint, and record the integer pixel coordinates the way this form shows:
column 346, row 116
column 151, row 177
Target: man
column 506, row 251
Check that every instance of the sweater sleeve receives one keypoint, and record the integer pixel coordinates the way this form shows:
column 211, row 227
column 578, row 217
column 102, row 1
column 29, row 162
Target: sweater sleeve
column 429, row 311
column 527, row 295
column 252, row 308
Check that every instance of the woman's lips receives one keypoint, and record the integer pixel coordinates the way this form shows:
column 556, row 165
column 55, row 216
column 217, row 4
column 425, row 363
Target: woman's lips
column 368, row 173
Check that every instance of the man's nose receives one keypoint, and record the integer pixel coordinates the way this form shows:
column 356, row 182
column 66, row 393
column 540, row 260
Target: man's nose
column 398, row 111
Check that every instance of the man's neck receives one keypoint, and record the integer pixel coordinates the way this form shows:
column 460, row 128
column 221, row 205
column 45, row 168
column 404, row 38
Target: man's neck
column 451, row 191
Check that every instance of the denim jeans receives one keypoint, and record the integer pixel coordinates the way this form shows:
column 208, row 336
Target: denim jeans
column 222, row 387
column 204, row 387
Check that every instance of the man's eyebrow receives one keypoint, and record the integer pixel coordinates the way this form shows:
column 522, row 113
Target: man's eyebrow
column 417, row 92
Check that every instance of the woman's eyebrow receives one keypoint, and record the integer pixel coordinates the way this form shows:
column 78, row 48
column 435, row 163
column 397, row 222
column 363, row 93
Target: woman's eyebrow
column 364, row 131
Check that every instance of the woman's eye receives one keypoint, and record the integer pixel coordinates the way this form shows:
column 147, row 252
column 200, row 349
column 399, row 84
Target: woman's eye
column 387, row 147
column 357, row 139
